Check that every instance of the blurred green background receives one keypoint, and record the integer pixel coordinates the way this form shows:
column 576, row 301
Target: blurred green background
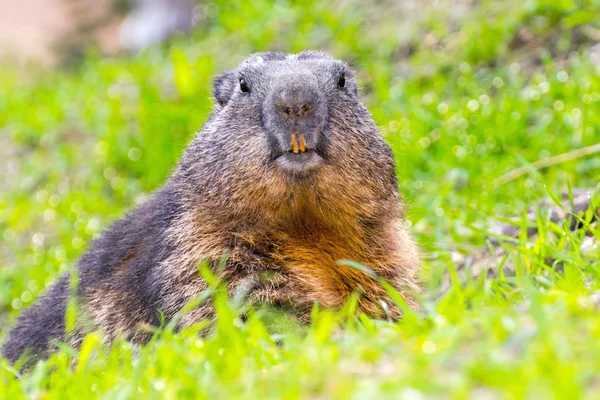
column 464, row 91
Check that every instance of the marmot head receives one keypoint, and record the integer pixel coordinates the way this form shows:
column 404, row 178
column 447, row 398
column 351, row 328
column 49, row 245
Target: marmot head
column 292, row 96
column 289, row 136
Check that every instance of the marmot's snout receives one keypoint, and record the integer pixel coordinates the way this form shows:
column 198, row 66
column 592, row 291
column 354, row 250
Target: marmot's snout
column 297, row 114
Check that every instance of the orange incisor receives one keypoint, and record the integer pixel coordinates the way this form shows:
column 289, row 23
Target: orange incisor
column 296, row 148
column 302, row 143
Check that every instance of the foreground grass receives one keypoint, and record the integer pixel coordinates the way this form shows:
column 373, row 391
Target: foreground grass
column 82, row 148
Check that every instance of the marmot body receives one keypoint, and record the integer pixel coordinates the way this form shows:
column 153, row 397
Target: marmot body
column 289, row 174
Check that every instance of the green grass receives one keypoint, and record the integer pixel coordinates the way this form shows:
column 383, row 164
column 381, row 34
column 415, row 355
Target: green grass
column 471, row 103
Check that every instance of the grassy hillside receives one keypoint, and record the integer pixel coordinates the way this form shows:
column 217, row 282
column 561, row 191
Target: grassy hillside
column 464, row 94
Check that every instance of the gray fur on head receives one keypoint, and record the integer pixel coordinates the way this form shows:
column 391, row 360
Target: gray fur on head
column 260, row 68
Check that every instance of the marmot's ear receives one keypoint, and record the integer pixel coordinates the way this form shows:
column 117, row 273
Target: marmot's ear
column 223, row 86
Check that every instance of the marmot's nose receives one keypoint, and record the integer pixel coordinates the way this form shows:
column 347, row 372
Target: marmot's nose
column 295, row 114
column 295, row 102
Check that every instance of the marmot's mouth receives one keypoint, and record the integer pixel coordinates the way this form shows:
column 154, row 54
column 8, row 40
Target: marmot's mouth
column 299, row 158
column 298, row 146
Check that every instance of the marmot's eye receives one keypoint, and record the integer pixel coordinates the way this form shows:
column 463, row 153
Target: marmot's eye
column 342, row 81
column 244, row 86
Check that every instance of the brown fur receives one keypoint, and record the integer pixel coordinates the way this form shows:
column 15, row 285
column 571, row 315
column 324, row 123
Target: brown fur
column 283, row 234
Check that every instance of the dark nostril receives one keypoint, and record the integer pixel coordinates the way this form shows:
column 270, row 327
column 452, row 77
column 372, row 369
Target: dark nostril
column 305, row 110
column 285, row 110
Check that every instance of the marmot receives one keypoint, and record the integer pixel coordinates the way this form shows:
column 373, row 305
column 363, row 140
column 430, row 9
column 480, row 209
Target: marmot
column 288, row 176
